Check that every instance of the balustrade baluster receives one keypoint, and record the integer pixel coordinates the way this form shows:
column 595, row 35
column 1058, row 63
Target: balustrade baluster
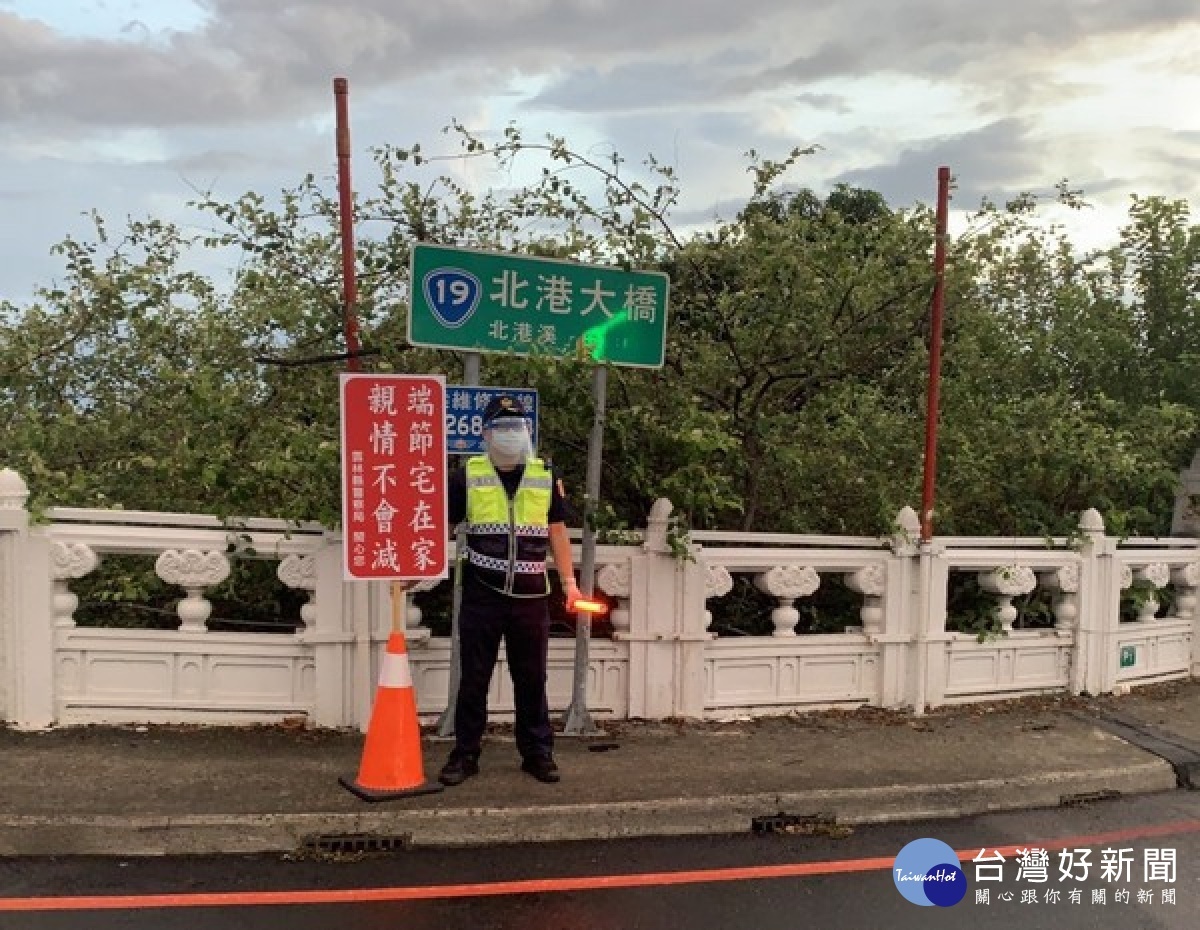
column 68, row 561
column 193, row 570
column 786, row 583
column 1007, row 582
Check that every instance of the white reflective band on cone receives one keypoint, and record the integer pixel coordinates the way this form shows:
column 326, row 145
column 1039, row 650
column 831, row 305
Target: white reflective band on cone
column 395, row 672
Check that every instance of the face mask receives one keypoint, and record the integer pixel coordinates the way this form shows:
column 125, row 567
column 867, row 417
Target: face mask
column 508, row 447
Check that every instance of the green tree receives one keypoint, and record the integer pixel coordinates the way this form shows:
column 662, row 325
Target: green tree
column 1050, row 404
column 793, row 394
column 1160, row 251
column 802, row 326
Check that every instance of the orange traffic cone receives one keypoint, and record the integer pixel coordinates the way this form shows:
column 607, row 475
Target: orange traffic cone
column 391, row 762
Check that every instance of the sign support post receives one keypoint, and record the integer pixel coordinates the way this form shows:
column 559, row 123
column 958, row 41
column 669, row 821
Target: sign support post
column 399, row 608
column 935, row 354
column 579, row 720
column 445, row 727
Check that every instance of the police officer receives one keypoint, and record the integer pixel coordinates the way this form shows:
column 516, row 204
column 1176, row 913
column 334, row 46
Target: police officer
column 514, row 508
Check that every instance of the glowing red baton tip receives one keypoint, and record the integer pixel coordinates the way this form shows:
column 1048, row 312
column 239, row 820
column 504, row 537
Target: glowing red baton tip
column 583, row 605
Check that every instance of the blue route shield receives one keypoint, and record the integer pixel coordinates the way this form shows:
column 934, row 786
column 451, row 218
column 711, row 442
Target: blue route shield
column 453, row 295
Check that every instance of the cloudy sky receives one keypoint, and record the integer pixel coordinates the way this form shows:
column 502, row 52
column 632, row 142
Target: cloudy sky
column 130, row 106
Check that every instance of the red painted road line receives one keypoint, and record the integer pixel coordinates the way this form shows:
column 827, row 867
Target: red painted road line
column 547, row 885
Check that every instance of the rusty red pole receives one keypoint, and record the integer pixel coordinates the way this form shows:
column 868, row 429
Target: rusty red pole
column 341, row 97
column 935, row 353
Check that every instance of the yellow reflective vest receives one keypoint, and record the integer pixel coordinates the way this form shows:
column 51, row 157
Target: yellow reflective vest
column 507, row 538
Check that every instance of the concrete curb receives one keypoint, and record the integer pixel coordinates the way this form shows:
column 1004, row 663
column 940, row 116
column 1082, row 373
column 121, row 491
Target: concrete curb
column 267, row 833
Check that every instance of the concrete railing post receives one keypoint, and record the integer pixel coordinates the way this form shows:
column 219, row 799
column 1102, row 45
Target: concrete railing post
column 14, row 522
column 325, row 632
column 26, row 626
column 1095, row 669
column 692, row 636
column 1187, row 588
column 901, row 602
column 666, row 632
column 919, row 618
column 931, row 638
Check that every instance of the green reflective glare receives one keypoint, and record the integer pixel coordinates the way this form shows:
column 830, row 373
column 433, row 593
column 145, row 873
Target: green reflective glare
column 596, row 337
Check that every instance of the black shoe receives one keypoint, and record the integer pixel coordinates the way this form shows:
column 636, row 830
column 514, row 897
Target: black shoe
column 542, row 768
column 458, row 768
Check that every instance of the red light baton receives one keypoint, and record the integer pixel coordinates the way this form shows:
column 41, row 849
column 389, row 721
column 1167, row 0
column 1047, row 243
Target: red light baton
column 584, row 605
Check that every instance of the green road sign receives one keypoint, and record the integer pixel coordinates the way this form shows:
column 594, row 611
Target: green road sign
column 1128, row 656
column 478, row 301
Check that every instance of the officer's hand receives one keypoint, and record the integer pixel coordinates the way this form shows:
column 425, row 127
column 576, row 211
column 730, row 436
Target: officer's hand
column 572, row 593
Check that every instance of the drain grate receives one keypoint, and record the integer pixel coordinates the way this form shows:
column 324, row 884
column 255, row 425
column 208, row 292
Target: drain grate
column 805, row 824
column 331, row 844
column 1089, row 797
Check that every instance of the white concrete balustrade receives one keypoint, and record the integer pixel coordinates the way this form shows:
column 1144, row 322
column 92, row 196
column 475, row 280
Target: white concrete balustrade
column 663, row 659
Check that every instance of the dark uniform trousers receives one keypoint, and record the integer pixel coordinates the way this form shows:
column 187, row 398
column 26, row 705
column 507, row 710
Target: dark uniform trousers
column 485, row 617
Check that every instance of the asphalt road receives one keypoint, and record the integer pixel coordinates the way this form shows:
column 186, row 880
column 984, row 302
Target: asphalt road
column 783, row 880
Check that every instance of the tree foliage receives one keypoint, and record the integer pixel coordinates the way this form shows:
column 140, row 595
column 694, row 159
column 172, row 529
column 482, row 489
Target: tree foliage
column 792, row 398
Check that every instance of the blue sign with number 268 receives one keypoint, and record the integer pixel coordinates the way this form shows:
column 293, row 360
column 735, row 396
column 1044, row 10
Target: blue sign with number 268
column 464, row 415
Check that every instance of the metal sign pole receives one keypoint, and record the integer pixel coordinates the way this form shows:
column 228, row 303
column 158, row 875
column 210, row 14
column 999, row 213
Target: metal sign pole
column 935, row 354
column 341, row 95
column 579, row 721
column 399, row 609
column 341, row 109
column 445, row 725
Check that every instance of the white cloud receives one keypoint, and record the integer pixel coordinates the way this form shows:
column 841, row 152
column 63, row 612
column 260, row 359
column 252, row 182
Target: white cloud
column 126, row 105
